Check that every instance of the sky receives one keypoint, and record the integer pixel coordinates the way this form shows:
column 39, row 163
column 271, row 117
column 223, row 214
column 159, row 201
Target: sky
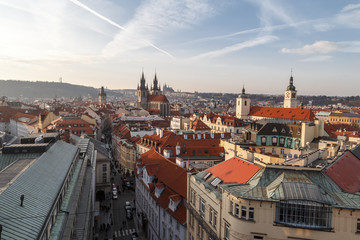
column 191, row 45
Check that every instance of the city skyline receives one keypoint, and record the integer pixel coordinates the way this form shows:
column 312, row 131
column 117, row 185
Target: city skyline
column 205, row 46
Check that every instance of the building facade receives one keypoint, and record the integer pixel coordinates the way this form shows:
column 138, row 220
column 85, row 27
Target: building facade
column 266, row 202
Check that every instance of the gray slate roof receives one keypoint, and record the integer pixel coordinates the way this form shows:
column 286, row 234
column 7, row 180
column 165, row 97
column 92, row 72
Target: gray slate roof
column 40, row 184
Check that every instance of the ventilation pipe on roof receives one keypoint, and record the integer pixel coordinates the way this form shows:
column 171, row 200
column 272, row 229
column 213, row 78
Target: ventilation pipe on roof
column 22, row 200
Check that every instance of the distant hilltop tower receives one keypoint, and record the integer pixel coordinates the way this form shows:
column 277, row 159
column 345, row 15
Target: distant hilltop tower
column 60, row 79
column 290, row 98
column 102, row 96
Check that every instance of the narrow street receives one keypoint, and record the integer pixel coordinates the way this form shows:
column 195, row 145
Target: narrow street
column 121, row 226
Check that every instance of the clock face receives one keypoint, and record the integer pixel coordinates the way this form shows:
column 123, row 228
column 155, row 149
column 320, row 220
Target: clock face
column 287, row 94
column 293, row 95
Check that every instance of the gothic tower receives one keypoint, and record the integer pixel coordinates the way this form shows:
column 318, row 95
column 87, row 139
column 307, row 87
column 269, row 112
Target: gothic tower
column 243, row 105
column 290, row 95
column 102, row 96
column 143, row 93
column 155, row 89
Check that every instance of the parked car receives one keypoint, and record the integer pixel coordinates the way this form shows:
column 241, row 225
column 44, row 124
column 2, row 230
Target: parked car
column 114, row 195
column 128, row 214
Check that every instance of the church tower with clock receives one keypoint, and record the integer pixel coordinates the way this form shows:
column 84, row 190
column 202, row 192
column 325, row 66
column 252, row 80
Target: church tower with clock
column 290, row 95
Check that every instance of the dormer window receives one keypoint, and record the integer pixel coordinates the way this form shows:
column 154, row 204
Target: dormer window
column 274, row 129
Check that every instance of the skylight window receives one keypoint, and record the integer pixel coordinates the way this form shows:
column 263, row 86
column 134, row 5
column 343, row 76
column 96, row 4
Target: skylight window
column 215, row 182
column 207, row 175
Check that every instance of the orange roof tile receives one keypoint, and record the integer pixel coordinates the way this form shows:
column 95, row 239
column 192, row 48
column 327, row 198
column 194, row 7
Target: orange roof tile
column 157, row 98
column 200, row 125
column 234, row 170
column 345, row 172
column 283, row 113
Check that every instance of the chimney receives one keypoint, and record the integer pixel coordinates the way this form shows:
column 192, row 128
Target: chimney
column 178, row 149
column 161, row 133
column 22, row 200
column 167, row 153
column 65, row 135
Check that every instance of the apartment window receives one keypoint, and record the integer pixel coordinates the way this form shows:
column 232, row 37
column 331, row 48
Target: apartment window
column 304, row 214
column 227, row 232
column 282, row 151
column 358, row 226
column 202, row 207
column 243, row 212
column 251, row 213
column 211, row 216
column 274, row 140
column 289, row 141
column 192, row 196
column 282, row 141
column 258, row 238
column 104, row 178
column 273, row 151
column 263, row 140
column 215, row 219
column 191, row 221
column 82, row 125
column 237, row 210
column 104, row 167
column 231, row 207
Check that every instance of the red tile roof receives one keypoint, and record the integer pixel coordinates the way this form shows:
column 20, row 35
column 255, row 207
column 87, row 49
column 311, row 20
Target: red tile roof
column 339, row 129
column 200, row 125
column 345, row 172
column 283, row 113
column 157, row 98
column 234, row 170
column 168, row 173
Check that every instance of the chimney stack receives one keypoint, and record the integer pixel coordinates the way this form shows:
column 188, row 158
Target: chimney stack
column 21, row 200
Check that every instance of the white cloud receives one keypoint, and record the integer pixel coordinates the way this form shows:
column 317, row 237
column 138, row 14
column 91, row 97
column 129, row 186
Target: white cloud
column 320, row 58
column 156, row 18
column 350, row 7
column 324, row 47
column 271, row 11
column 237, row 47
column 317, row 47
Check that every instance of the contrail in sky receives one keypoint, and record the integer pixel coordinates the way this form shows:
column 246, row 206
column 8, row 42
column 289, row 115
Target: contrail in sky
column 117, row 25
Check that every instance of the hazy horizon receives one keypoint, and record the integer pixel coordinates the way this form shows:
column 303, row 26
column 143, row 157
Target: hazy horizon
column 204, row 45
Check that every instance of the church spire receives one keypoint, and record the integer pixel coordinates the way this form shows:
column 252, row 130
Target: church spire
column 142, row 80
column 291, row 82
